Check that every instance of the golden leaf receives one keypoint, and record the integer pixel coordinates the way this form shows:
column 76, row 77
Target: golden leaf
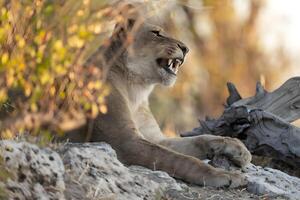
column 94, row 110
column 33, row 107
column 52, row 91
column 103, row 109
column 27, row 89
column 21, row 43
column 3, row 95
column 4, row 58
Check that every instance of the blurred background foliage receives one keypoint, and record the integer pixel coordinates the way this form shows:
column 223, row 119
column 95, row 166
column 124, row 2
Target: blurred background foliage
column 45, row 87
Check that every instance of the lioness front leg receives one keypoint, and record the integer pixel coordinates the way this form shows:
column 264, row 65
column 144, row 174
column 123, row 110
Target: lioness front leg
column 118, row 129
column 138, row 151
column 202, row 147
column 207, row 146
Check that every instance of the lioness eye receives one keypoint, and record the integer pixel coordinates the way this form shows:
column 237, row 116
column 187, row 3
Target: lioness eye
column 157, row 33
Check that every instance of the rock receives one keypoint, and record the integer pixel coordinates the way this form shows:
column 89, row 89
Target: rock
column 264, row 181
column 92, row 171
column 272, row 182
column 96, row 170
column 34, row 173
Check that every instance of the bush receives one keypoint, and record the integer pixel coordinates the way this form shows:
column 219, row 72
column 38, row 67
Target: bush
column 44, row 84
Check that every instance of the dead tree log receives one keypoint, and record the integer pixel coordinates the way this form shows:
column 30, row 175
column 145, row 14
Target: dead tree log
column 262, row 122
column 283, row 102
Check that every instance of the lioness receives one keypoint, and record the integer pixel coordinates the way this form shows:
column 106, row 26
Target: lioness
column 152, row 58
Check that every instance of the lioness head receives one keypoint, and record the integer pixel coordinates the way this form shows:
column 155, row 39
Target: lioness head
column 151, row 54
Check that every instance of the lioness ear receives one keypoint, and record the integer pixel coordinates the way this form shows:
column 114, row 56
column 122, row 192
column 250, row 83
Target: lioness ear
column 128, row 15
column 124, row 27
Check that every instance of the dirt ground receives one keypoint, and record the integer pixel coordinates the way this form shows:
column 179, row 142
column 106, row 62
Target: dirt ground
column 207, row 193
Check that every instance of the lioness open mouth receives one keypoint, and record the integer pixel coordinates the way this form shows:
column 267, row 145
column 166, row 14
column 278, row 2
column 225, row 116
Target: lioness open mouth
column 171, row 65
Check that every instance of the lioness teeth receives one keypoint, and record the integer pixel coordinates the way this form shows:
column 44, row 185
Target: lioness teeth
column 170, row 64
column 173, row 65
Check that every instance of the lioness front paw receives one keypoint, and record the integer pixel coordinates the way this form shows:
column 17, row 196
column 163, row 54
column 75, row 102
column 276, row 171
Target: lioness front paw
column 222, row 178
column 233, row 149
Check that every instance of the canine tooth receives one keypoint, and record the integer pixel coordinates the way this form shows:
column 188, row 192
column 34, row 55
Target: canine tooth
column 169, row 61
column 176, row 70
column 177, row 66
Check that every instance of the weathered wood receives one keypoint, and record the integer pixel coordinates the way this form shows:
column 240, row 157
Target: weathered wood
column 261, row 122
column 284, row 102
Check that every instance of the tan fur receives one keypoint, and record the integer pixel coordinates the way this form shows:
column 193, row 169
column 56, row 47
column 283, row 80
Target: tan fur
column 130, row 127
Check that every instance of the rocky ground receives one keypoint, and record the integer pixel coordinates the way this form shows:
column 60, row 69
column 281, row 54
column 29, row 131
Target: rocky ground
column 92, row 171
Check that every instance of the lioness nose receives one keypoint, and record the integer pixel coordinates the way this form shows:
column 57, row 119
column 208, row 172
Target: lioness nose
column 184, row 48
